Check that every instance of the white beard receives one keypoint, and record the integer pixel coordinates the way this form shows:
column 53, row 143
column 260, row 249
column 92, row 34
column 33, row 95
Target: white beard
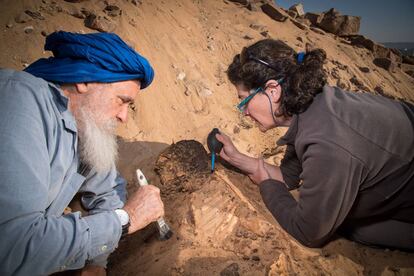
column 98, row 146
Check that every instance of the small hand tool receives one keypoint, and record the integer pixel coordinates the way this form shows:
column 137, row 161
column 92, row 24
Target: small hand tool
column 214, row 146
column 163, row 228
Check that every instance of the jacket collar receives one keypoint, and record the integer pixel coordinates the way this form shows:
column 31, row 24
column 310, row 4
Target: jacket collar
column 62, row 103
column 290, row 135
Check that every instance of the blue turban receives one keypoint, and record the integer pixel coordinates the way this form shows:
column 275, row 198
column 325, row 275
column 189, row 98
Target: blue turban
column 97, row 57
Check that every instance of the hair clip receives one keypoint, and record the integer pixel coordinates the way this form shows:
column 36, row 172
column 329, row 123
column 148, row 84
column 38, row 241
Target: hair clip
column 300, row 57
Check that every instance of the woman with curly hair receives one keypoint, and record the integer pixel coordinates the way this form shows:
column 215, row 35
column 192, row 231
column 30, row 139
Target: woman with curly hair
column 351, row 155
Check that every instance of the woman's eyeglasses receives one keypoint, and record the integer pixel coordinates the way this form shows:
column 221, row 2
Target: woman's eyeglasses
column 243, row 104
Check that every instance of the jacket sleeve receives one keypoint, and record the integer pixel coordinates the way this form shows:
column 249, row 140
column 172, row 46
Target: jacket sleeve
column 103, row 193
column 291, row 168
column 32, row 243
column 331, row 178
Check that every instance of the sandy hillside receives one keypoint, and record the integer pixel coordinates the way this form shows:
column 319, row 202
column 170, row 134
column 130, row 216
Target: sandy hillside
column 190, row 43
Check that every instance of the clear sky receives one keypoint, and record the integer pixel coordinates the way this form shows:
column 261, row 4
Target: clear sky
column 381, row 20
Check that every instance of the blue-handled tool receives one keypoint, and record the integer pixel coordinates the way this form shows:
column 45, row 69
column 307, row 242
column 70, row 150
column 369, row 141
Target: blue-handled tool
column 214, row 146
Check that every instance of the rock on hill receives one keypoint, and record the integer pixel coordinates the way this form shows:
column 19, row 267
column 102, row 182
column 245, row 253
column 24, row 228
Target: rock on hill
column 190, row 43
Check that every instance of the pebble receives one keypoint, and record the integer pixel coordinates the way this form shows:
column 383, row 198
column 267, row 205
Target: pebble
column 28, row 29
column 181, row 76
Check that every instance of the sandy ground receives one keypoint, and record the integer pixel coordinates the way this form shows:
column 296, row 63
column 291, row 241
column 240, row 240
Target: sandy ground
column 219, row 221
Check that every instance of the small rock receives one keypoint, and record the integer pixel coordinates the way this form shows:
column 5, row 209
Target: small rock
column 341, row 84
column 364, row 69
column 206, row 92
column 257, row 27
column 28, row 29
column 408, row 59
column 292, row 14
column 181, row 76
column 255, row 258
column 113, row 10
column 385, row 63
column 300, row 38
column 356, row 81
column 9, row 25
column 75, row 1
column 298, row 9
column 23, row 18
column 136, row 2
column 132, row 22
column 44, row 33
column 275, row 13
column 247, row 37
column 379, row 90
column 265, row 33
column 243, row 2
column 34, row 14
column 99, row 23
column 338, row 24
column 231, row 270
column 236, row 130
column 314, row 18
column 299, row 25
column 76, row 12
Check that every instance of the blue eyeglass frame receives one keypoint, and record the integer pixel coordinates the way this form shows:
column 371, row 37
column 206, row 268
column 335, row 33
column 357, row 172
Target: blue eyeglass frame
column 241, row 106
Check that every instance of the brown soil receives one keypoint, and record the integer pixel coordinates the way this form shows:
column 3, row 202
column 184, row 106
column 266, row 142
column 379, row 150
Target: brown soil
column 221, row 227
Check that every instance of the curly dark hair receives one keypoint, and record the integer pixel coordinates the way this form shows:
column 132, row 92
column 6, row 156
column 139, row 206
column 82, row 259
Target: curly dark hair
column 301, row 82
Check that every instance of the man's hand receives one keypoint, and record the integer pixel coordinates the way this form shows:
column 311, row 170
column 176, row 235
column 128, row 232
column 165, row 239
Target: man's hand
column 260, row 174
column 144, row 207
column 228, row 151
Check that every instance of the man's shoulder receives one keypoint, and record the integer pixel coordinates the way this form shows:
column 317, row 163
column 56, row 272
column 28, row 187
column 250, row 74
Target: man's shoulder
column 23, row 83
column 20, row 76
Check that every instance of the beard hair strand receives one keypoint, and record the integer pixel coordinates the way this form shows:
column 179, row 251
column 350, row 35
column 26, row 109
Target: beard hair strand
column 98, row 145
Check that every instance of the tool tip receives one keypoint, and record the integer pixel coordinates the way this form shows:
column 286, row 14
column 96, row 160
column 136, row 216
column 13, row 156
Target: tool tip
column 166, row 235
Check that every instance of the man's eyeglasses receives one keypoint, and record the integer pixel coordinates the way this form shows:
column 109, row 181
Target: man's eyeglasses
column 243, row 104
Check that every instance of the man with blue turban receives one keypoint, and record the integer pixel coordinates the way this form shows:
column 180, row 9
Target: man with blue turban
column 57, row 139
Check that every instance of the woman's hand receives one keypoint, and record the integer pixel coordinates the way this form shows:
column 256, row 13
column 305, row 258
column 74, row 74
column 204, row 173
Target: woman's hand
column 260, row 174
column 229, row 151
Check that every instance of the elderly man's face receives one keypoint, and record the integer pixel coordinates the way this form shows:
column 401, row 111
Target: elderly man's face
column 110, row 100
column 98, row 109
